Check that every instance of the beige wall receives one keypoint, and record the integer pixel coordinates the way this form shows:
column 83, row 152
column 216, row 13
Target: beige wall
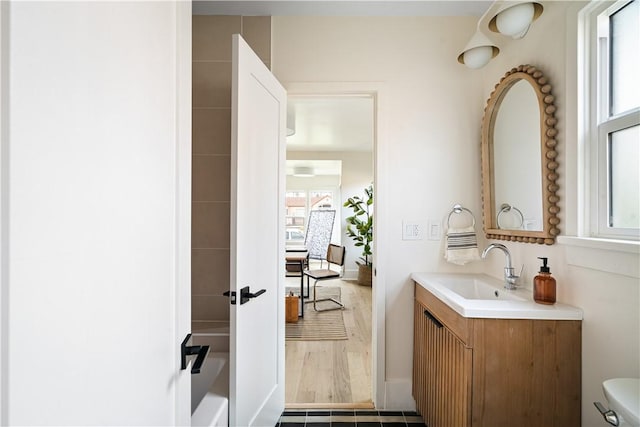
column 429, row 158
column 212, row 154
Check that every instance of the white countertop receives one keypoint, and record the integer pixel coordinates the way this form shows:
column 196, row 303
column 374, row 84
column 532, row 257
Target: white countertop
column 522, row 306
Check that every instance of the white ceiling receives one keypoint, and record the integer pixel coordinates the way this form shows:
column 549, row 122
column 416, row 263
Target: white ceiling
column 331, row 123
column 341, row 7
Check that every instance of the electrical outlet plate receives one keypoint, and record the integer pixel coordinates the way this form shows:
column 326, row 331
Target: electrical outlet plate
column 412, row 230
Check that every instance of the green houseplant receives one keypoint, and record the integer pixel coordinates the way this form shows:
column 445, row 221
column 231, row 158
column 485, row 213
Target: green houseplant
column 360, row 229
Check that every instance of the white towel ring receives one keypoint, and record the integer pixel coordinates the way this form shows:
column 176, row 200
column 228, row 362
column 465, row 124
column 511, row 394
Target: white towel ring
column 458, row 209
column 505, row 207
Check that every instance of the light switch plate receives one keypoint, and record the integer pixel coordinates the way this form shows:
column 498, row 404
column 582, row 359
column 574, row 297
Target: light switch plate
column 412, row 230
column 434, row 230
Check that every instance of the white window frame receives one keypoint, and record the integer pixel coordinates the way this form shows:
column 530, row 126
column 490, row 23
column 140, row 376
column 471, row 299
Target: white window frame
column 337, row 205
column 599, row 125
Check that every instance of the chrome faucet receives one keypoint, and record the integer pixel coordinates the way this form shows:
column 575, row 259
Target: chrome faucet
column 510, row 276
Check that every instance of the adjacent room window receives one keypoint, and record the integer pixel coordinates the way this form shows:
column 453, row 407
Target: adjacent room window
column 613, row 71
column 298, row 206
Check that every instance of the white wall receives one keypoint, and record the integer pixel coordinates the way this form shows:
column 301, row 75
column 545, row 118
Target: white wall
column 433, row 111
column 4, row 185
column 357, row 174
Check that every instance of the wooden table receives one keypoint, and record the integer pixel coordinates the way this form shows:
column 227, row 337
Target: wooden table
column 298, row 257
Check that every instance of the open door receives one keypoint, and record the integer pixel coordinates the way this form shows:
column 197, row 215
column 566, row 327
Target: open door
column 95, row 213
column 257, row 242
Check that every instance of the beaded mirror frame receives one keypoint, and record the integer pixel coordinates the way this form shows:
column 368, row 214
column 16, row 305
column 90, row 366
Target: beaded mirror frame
column 548, row 159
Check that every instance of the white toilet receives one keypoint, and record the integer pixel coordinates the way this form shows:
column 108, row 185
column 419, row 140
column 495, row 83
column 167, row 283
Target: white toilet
column 623, row 396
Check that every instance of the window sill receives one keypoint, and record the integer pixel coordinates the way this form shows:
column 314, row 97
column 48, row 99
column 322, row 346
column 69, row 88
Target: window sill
column 629, row 246
column 612, row 256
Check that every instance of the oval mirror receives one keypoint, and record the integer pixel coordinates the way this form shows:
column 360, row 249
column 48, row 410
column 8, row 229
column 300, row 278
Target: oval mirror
column 519, row 159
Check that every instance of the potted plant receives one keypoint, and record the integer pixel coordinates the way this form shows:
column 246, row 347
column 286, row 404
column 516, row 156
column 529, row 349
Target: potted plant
column 360, row 229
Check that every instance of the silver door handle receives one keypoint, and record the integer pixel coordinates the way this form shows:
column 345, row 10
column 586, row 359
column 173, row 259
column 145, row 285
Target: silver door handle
column 609, row 416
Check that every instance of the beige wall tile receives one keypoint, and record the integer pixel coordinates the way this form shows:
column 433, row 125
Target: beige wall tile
column 211, row 130
column 212, row 36
column 209, row 271
column 210, row 225
column 211, row 84
column 256, row 30
column 211, row 178
column 209, row 308
column 216, row 344
column 212, row 148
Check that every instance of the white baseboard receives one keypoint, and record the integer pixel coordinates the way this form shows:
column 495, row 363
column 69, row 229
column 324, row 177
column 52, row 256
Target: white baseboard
column 350, row 274
column 397, row 396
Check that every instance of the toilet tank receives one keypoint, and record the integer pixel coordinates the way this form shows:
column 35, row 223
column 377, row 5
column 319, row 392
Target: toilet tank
column 623, row 396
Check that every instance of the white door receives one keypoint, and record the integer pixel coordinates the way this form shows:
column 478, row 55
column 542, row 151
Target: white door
column 257, row 241
column 95, row 212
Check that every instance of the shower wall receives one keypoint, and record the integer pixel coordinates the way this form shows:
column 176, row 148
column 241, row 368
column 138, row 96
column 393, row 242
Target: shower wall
column 211, row 129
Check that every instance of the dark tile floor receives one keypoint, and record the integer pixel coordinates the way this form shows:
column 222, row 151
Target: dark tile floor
column 349, row 418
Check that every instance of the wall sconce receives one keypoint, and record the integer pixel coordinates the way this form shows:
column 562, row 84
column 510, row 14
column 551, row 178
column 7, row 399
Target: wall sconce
column 513, row 19
column 479, row 51
column 510, row 18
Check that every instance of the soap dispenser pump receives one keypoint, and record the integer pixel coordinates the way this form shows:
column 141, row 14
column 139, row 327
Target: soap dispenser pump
column 544, row 285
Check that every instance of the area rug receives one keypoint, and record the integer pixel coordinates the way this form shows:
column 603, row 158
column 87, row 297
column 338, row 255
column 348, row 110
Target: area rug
column 316, row 325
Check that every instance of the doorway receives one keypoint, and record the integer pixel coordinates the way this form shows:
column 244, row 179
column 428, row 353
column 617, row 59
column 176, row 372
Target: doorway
column 330, row 157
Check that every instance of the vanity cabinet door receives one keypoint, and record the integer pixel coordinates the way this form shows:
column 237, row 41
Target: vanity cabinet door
column 441, row 372
column 526, row 373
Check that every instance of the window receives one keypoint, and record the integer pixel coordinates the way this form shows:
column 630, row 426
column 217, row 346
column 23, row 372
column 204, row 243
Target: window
column 298, row 205
column 614, row 120
column 296, row 210
column 321, row 200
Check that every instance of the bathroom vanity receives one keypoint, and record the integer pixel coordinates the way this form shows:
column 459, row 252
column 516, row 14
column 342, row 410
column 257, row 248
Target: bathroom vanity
column 484, row 356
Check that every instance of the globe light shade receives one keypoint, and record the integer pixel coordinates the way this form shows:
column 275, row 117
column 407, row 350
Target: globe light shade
column 477, row 57
column 514, row 20
column 478, row 52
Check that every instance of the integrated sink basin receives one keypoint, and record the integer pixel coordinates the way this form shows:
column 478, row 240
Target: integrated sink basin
column 482, row 296
column 478, row 288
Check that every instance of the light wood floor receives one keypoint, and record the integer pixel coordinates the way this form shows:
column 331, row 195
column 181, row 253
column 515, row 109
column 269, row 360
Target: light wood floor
column 333, row 373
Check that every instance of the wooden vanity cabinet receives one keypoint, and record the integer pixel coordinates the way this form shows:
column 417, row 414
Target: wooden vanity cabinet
column 494, row 372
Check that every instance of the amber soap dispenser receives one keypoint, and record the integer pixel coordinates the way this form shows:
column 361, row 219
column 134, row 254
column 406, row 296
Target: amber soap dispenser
column 544, row 285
